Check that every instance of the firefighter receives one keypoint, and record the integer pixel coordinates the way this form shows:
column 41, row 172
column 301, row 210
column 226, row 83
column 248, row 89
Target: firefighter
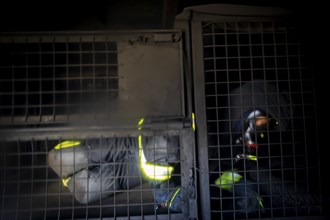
column 96, row 169
column 259, row 113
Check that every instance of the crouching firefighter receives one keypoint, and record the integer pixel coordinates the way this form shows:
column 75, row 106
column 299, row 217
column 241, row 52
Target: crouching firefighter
column 257, row 113
column 95, row 169
column 259, row 117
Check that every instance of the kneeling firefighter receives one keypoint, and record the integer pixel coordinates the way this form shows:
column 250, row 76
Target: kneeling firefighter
column 95, row 169
column 259, row 113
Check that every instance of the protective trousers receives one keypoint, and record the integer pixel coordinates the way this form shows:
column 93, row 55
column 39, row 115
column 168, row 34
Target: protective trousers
column 95, row 169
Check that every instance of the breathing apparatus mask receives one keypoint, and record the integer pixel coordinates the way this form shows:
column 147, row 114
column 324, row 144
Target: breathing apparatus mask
column 257, row 125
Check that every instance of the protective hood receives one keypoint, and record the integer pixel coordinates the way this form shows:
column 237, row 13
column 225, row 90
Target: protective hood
column 260, row 95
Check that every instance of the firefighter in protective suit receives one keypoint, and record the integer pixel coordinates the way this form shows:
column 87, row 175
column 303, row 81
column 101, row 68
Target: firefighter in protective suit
column 96, row 169
column 259, row 113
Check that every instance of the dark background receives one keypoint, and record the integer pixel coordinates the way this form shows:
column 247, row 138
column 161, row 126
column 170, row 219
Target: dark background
column 132, row 14
column 311, row 18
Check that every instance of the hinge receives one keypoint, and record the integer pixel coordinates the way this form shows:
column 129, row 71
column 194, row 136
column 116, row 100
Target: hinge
column 156, row 38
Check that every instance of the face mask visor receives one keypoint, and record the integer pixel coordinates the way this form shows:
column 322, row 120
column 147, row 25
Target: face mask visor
column 256, row 127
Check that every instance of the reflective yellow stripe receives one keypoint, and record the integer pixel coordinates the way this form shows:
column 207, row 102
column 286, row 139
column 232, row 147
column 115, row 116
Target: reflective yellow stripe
column 66, row 181
column 260, row 200
column 173, row 197
column 140, row 124
column 252, row 157
column 152, row 171
column 193, row 123
column 66, row 144
column 262, row 135
column 227, row 179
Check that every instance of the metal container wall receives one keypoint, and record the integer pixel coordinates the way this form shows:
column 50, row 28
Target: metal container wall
column 91, row 88
column 244, row 59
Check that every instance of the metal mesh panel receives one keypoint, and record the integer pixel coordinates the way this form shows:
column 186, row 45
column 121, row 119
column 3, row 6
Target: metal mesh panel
column 260, row 66
column 45, row 80
column 31, row 188
column 69, row 107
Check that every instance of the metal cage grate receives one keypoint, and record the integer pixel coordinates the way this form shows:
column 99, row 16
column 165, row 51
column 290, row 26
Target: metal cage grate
column 61, row 78
column 251, row 66
column 31, row 188
column 70, row 104
column 50, row 81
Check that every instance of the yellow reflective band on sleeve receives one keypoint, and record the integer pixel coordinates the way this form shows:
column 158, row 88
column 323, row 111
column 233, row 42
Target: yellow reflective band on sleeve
column 152, row 171
column 227, row 179
column 173, row 197
column 193, row 123
column 66, row 144
column 66, row 181
column 252, row 157
column 260, row 201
